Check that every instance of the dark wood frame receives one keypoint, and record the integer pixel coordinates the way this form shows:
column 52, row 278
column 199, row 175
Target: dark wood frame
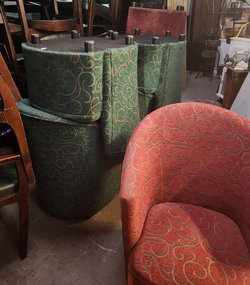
column 11, row 116
column 44, row 26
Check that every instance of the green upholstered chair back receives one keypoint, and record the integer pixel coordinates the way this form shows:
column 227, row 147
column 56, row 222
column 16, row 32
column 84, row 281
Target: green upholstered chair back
column 65, row 84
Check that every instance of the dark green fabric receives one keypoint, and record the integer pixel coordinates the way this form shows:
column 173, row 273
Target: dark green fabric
column 146, row 103
column 171, row 75
column 65, row 84
column 120, row 98
column 74, row 153
column 74, row 178
column 149, row 67
column 8, row 179
column 160, row 73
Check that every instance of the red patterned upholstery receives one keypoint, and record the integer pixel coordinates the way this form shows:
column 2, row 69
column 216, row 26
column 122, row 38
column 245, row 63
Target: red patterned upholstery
column 159, row 21
column 182, row 156
column 198, row 242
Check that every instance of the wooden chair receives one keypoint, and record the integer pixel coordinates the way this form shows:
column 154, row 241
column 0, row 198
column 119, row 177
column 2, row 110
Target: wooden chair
column 55, row 25
column 156, row 4
column 208, row 58
column 7, row 46
column 16, row 172
column 110, row 14
column 9, row 49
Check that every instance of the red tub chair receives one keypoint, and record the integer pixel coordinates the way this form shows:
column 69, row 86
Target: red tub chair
column 185, row 197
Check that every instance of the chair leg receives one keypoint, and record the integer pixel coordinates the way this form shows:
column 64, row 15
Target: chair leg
column 23, row 205
column 23, row 226
column 91, row 15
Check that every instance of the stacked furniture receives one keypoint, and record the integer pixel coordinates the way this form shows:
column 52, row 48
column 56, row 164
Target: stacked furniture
column 82, row 109
column 157, row 22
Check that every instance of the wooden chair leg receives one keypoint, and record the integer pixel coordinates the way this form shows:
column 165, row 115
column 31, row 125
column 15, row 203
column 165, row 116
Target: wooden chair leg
column 23, row 205
column 91, row 15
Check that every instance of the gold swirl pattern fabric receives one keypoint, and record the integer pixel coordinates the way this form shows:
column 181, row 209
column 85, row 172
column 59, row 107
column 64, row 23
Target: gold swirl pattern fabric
column 160, row 71
column 74, row 178
column 185, row 197
column 65, row 84
column 149, row 66
column 170, row 82
column 84, row 108
column 186, row 244
column 120, row 98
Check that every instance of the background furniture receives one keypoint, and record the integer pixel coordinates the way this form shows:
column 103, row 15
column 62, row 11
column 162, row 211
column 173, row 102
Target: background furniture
column 109, row 10
column 233, row 82
column 241, row 102
column 160, row 21
column 56, row 24
column 7, row 46
column 15, row 164
column 185, row 197
column 208, row 56
column 8, row 51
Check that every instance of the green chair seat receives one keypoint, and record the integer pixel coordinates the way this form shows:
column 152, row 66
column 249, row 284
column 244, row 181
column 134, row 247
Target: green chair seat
column 8, row 179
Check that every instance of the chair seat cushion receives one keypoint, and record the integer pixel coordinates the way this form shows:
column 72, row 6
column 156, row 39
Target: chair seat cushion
column 8, row 179
column 187, row 244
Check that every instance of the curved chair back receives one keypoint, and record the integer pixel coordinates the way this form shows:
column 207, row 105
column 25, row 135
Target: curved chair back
column 51, row 25
column 156, row 21
column 190, row 153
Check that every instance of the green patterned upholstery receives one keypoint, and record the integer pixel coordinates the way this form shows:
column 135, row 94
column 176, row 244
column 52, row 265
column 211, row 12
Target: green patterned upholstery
column 170, row 83
column 120, row 98
column 65, row 84
column 8, row 179
column 74, row 178
column 84, row 108
column 160, row 71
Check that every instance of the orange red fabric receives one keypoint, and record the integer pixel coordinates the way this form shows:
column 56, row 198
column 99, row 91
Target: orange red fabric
column 156, row 21
column 195, row 154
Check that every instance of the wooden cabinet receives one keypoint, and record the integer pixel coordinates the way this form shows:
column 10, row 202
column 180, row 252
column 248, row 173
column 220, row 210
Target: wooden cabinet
column 233, row 82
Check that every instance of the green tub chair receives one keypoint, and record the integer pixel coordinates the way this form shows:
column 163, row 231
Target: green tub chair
column 74, row 127
column 81, row 113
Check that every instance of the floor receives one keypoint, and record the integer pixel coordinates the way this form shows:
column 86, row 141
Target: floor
column 65, row 252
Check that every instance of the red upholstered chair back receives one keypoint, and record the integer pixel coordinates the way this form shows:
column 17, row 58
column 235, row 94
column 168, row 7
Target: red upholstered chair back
column 189, row 153
column 156, row 21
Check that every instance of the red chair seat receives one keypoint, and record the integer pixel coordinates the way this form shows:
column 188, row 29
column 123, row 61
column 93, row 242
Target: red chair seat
column 187, row 244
